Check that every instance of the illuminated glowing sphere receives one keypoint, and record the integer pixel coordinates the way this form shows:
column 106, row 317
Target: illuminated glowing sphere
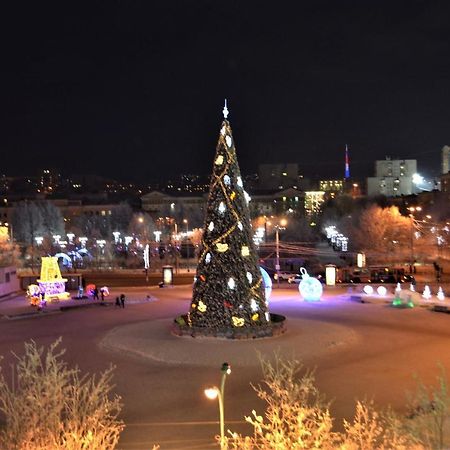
column 310, row 288
column 266, row 283
column 368, row 290
column 381, row 290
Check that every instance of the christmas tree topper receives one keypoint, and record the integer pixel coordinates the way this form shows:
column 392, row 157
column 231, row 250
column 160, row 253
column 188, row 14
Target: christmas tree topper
column 225, row 110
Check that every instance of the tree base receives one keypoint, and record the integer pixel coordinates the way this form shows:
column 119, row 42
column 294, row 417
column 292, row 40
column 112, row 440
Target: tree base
column 276, row 327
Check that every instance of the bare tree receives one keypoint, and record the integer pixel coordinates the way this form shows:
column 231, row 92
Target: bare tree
column 382, row 233
column 27, row 222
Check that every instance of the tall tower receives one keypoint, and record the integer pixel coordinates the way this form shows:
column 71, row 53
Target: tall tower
column 347, row 164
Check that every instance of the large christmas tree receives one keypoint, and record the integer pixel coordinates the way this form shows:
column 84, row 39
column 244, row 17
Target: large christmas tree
column 228, row 292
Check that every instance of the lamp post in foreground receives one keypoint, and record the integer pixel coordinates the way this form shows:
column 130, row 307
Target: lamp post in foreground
column 185, row 221
column 214, row 392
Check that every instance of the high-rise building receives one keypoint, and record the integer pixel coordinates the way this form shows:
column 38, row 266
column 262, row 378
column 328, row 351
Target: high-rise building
column 393, row 177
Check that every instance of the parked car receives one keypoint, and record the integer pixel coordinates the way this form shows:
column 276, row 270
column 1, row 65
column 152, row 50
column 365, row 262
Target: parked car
column 284, row 276
column 295, row 279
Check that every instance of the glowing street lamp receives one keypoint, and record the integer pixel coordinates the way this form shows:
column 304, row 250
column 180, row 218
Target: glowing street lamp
column 70, row 236
column 39, row 240
column 83, row 241
column 214, row 392
column 157, row 235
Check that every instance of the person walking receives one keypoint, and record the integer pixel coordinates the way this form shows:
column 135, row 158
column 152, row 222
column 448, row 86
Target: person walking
column 95, row 294
column 122, row 300
column 117, row 302
column 102, row 294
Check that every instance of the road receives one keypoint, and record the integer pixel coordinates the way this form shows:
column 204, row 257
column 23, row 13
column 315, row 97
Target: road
column 163, row 400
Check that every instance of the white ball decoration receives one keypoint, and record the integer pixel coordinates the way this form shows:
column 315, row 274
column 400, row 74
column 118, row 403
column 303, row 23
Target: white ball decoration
column 240, row 226
column 253, row 305
column 229, row 141
column 208, row 258
column 211, row 226
column 223, row 131
column 227, row 180
column 381, row 290
column 368, row 290
column 310, row 288
column 249, row 277
column 231, row 283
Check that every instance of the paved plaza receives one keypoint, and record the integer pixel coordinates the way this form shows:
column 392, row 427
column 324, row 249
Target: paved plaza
column 360, row 350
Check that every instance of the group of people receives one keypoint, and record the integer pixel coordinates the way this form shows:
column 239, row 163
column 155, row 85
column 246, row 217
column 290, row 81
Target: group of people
column 120, row 301
column 95, row 292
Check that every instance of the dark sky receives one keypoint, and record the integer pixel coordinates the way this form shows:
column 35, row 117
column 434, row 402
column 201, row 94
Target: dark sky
column 135, row 90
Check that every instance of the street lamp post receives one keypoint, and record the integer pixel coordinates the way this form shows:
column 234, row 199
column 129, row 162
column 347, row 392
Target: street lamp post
column 185, row 221
column 214, row 392
column 278, row 227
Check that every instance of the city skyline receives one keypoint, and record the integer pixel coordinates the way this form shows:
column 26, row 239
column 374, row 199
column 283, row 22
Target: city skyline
column 136, row 91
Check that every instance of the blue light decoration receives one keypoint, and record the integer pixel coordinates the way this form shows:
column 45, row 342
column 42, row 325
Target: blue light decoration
column 267, row 283
column 310, row 288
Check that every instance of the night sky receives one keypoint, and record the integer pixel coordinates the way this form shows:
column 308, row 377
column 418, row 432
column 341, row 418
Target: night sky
column 134, row 90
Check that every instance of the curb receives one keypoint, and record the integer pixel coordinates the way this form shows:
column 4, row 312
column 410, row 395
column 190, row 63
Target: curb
column 30, row 315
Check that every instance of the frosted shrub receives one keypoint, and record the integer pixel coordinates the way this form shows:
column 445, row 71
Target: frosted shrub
column 429, row 415
column 50, row 406
column 298, row 417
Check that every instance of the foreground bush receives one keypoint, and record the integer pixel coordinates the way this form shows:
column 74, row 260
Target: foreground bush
column 50, row 406
column 298, row 417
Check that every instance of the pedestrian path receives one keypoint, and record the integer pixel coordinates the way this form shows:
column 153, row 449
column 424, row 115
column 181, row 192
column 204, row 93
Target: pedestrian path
column 18, row 307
